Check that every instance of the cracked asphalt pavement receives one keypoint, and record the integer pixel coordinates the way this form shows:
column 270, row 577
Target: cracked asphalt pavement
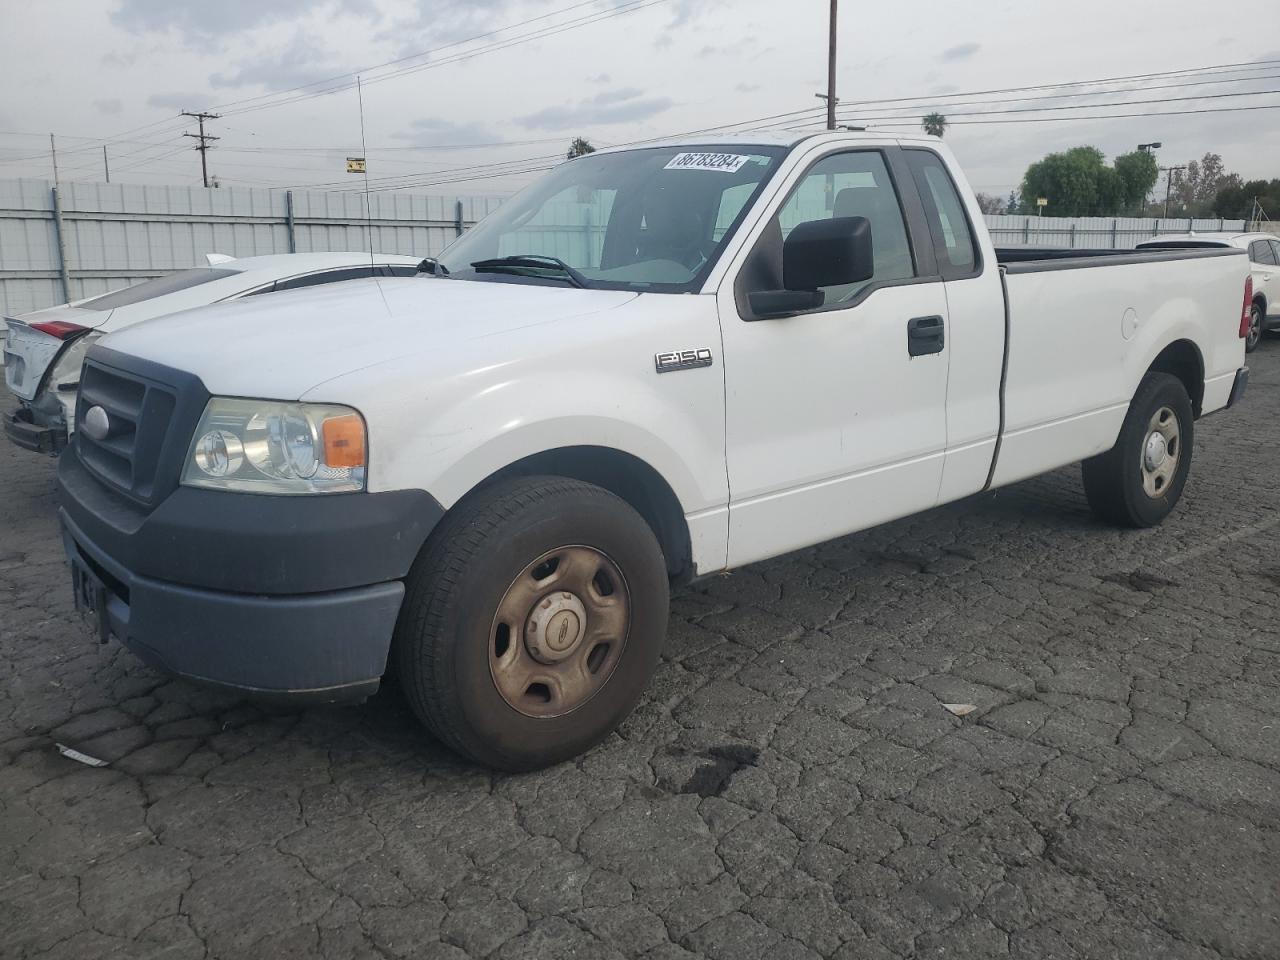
column 791, row 787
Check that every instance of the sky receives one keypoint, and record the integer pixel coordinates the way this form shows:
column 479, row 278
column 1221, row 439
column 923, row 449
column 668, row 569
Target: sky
column 476, row 97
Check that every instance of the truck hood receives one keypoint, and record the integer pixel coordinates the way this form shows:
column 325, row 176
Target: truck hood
column 280, row 345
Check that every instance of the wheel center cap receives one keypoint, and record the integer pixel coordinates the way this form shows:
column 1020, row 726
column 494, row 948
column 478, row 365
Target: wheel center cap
column 555, row 626
column 1157, row 450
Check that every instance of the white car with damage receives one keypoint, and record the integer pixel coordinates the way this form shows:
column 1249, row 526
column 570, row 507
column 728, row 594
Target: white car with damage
column 43, row 349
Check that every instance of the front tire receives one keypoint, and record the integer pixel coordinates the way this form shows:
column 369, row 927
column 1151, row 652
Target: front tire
column 1254, row 337
column 1139, row 481
column 532, row 621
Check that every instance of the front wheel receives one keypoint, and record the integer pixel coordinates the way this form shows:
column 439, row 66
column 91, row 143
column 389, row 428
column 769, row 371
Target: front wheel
column 1139, row 481
column 532, row 622
column 1254, row 336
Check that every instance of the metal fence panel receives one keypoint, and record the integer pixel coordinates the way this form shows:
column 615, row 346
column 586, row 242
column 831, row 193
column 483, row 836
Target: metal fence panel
column 1094, row 233
column 118, row 234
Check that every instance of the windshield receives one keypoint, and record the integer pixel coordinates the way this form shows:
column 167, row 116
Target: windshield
column 651, row 219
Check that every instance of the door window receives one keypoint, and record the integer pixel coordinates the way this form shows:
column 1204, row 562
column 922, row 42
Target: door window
column 1275, row 250
column 327, row 276
column 855, row 184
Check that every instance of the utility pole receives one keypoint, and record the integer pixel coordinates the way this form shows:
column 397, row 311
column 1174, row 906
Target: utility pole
column 105, row 168
column 831, row 70
column 204, row 139
column 1168, row 182
column 53, row 152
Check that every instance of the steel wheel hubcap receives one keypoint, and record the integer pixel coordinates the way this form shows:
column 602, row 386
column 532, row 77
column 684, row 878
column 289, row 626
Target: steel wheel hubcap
column 559, row 631
column 1161, row 452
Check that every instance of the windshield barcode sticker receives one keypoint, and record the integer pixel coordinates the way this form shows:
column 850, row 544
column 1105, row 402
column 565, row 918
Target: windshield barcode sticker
column 720, row 162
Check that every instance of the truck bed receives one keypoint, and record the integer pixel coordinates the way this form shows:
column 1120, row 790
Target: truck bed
column 1030, row 259
column 1078, row 344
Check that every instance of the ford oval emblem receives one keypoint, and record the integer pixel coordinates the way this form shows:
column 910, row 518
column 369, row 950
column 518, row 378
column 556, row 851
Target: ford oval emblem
column 96, row 423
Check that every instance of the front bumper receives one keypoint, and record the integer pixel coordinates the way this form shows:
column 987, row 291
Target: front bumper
column 287, row 597
column 20, row 427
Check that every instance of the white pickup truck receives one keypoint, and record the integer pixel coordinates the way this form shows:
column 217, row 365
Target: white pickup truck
column 652, row 365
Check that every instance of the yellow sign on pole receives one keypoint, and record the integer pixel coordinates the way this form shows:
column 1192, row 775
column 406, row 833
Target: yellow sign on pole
column 355, row 164
column 1040, row 201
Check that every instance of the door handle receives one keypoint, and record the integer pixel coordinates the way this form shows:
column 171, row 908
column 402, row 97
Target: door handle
column 925, row 335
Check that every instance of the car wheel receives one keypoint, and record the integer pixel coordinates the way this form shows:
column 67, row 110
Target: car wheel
column 532, row 621
column 1139, row 481
column 1255, row 328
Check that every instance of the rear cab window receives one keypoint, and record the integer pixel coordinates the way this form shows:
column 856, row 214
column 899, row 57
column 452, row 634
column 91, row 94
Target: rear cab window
column 948, row 222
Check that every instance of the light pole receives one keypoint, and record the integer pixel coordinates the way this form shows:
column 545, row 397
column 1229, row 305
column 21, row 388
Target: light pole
column 1150, row 148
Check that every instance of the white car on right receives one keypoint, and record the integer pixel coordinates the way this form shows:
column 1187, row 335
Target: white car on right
column 1264, row 263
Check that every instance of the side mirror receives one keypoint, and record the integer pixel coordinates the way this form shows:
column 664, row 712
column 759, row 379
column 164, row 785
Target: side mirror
column 828, row 253
column 816, row 254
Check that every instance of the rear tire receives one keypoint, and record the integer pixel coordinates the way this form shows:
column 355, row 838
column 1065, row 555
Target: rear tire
column 1254, row 336
column 532, row 621
column 1139, row 481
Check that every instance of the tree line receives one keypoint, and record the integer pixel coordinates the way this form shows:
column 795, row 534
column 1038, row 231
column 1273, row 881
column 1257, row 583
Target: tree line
column 1080, row 183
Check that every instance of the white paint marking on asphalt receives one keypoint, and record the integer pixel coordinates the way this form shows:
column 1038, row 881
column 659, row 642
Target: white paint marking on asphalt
column 1218, row 541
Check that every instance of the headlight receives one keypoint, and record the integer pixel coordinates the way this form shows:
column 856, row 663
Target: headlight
column 265, row 446
column 67, row 366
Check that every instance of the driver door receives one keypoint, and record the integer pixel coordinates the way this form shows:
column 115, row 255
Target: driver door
column 832, row 424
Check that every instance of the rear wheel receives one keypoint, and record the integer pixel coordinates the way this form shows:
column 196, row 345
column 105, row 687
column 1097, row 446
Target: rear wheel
column 1255, row 328
column 1139, row 481
column 532, row 622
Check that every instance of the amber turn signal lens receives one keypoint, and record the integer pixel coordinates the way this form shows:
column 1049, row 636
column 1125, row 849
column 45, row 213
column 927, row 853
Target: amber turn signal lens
column 343, row 441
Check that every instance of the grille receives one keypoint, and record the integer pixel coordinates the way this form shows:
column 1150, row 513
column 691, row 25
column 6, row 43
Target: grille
column 140, row 412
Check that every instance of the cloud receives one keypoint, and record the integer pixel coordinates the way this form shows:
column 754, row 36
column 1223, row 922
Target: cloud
column 302, row 62
column 433, row 24
column 619, row 106
column 178, row 101
column 119, row 60
column 600, row 78
column 434, row 132
column 961, row 52
column 110, row 105
column 201, row 22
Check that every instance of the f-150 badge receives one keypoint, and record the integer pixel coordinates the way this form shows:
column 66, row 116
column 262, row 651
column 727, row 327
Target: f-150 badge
column 682, row 360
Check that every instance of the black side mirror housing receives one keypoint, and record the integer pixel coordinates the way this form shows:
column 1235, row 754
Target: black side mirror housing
column 816, row 254
column 780, row 303
column 827, row 253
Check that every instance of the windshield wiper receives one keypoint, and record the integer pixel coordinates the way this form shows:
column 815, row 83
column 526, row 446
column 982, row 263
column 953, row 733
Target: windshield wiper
column 530, row 261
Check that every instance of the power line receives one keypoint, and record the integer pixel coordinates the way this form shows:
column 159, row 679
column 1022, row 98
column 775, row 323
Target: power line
column 411, row 56
column 631, row 6
column 1087, row 106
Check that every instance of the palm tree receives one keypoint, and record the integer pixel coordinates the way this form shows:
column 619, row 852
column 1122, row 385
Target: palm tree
column 580, row 147
column 934, row 124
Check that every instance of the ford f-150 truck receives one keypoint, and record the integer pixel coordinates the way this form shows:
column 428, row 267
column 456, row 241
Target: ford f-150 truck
column 652, row 365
